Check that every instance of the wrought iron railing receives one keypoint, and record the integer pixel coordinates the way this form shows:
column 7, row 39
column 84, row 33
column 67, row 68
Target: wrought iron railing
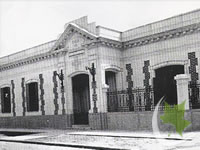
column 142, row 99
column 118, row 101
column 136, row 100
column 194, row 95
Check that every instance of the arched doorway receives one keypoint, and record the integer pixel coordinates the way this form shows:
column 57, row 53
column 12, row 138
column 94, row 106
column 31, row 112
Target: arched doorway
column 165, row 85
column 81, row 98
column 110, row 78
column 5, row 100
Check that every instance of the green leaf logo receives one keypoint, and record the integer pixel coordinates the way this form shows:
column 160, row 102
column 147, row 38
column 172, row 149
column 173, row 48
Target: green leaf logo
column 175, row 116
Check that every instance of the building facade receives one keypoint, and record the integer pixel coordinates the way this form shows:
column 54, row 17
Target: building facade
column 103, row 78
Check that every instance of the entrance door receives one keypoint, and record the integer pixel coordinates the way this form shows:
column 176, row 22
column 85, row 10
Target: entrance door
column 111, row 80
column 81, row 98
column 112, row 96
column 165, row 85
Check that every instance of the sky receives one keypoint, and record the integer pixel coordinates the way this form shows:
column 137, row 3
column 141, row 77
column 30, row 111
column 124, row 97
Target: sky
column 24, row 24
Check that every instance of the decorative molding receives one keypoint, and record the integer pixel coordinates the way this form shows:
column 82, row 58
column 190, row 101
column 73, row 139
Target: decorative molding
column 114, row 68
column 192, row 67
column 152, row 68
column 94, row 96
column 31, row 60
column 129, row 75
column 55, row 92
column 130, row 85
column 42, row 93
column 147, row 86
column 71, row 28
column 92, row 71
column 77, row 73
column 169, row 63
column 77, row 52
column 63, row 102
column 108, row 67
column 170, row 34
column 105, row 42
column 5, row 85
column 146, row 73
column 13, row 97
column 94, row 40
column 194, row 78
column 110, row 43
column 31, row 80
column 23, row 97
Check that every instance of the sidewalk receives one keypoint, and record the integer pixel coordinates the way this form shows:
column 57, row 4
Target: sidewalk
column 108, row 139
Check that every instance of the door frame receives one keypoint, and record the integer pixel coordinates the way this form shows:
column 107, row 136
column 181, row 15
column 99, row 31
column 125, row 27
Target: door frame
column 153, row 68
column 72, row 98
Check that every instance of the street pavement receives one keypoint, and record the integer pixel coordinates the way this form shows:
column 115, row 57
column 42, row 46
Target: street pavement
column 91, row 139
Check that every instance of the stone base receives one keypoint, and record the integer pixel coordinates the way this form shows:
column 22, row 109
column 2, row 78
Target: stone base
column 98, row 121
column 132, row 121
column 37, row 122
column 139, row 121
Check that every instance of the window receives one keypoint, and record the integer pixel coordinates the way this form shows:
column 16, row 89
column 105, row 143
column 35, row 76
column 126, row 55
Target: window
column 5, row 100
column 32, row 96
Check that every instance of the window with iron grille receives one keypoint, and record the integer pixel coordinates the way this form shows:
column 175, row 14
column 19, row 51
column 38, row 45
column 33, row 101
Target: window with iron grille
column 32, row 96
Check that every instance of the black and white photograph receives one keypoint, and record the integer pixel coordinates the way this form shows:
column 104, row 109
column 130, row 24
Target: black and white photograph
column 99, row 75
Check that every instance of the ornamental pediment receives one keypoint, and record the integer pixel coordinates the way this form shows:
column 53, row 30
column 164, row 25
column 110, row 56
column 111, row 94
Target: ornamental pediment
column 75, row 42
column 73, row 38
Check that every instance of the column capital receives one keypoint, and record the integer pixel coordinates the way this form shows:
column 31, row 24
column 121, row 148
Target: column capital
column 105, row 86
column 182, row 77
column 182, row 89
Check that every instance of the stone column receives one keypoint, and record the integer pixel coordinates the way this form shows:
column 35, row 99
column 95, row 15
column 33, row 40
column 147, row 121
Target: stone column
column 104, row 98
column 182, row 89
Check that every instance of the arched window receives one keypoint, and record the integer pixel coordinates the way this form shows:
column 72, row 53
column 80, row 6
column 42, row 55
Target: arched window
column 32, row 96
column 5, row 100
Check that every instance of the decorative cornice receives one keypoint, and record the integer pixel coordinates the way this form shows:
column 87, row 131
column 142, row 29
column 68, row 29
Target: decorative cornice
column 30, row 60
column 170, row 34
column 110, row 43
column 186, row 30
column 105, row 42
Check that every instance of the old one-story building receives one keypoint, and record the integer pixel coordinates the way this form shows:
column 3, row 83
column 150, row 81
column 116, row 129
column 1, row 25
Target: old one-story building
column 103, row 78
